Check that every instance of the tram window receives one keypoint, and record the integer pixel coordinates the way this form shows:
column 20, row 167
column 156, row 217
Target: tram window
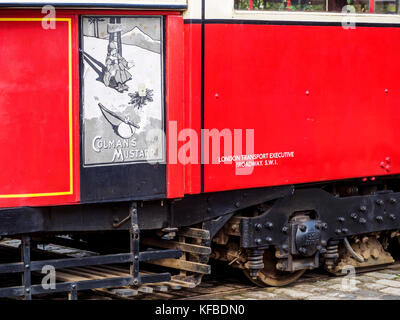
column 360, row 6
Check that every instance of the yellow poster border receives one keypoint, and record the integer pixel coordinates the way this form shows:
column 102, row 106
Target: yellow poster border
column 71, row 173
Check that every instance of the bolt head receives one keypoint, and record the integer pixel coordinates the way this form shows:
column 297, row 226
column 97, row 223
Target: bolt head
column 393, row 200
column 303, row 250
column 269, row 225
column 338, row 231
column 303, row 228
column 362, row 221
column 268, row 239
column 379, row 218
column 285, row 229
column 258, row 226
column 258, row 241
column 392, row 217
column 345, row 230
column 363, row 208
column 353, row 215
column 341, row 219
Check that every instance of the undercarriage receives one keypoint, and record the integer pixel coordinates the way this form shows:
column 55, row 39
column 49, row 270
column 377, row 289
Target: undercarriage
column 273, row 235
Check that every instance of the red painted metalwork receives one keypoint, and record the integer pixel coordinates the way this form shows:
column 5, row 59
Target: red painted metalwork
column 39, row 114
column 250, row 4
column 175, row 104
column 40, row 127
column 306, row 90
column 371, row 6
column 192, row 107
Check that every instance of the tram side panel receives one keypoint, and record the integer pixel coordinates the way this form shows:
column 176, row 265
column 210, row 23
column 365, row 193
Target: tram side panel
column 38, row 111
column 85, row 106
column 322, row 101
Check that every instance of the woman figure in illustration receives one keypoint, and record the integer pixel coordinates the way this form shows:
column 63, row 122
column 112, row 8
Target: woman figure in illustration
column 117, row 73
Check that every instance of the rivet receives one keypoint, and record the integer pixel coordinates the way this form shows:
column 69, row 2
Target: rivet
column 302, row 228
column 27, row 266
column 324, row 226
column 379, row 202
column 363, row 208
column 341, row 219
column 345, row 230
column 303, row 250
column 353, row 215
column 386, row 90
column 379, row 218
column 392, row 217
column 73, row 286
column 216, row 95
column 258, row 226
column 285, row 229
column 258, row 241
column 393, row 200
column 338, row 231
column 269, row 225
column 362, row 221
column 136, row 257
column 28, row 290
column 307, row 92
column 268, row 239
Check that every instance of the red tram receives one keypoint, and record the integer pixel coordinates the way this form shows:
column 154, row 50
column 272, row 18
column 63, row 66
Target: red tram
column 261, row 133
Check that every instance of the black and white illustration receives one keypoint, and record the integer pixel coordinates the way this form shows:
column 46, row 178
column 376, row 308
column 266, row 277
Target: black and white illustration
column 122, row 79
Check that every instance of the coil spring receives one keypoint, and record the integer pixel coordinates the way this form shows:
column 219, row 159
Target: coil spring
column 255, row 262
column 332, row 252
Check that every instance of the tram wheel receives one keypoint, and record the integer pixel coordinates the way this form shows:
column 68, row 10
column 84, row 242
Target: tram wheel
column 270, row 275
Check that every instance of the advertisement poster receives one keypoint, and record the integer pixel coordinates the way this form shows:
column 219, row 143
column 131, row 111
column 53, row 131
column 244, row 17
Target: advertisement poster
column 122, row 90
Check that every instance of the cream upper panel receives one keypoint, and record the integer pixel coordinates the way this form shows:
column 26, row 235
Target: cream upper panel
column 224, row 9
column 194, row 9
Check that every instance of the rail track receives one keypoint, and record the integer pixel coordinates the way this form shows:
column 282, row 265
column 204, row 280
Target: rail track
column 223, row 282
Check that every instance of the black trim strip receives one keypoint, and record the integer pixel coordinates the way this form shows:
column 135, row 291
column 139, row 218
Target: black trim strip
column 203, row 19
column 94, row 4
column 288, row 23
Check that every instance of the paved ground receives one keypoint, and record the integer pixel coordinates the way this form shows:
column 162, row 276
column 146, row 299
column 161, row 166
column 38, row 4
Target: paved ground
column 378, row 285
